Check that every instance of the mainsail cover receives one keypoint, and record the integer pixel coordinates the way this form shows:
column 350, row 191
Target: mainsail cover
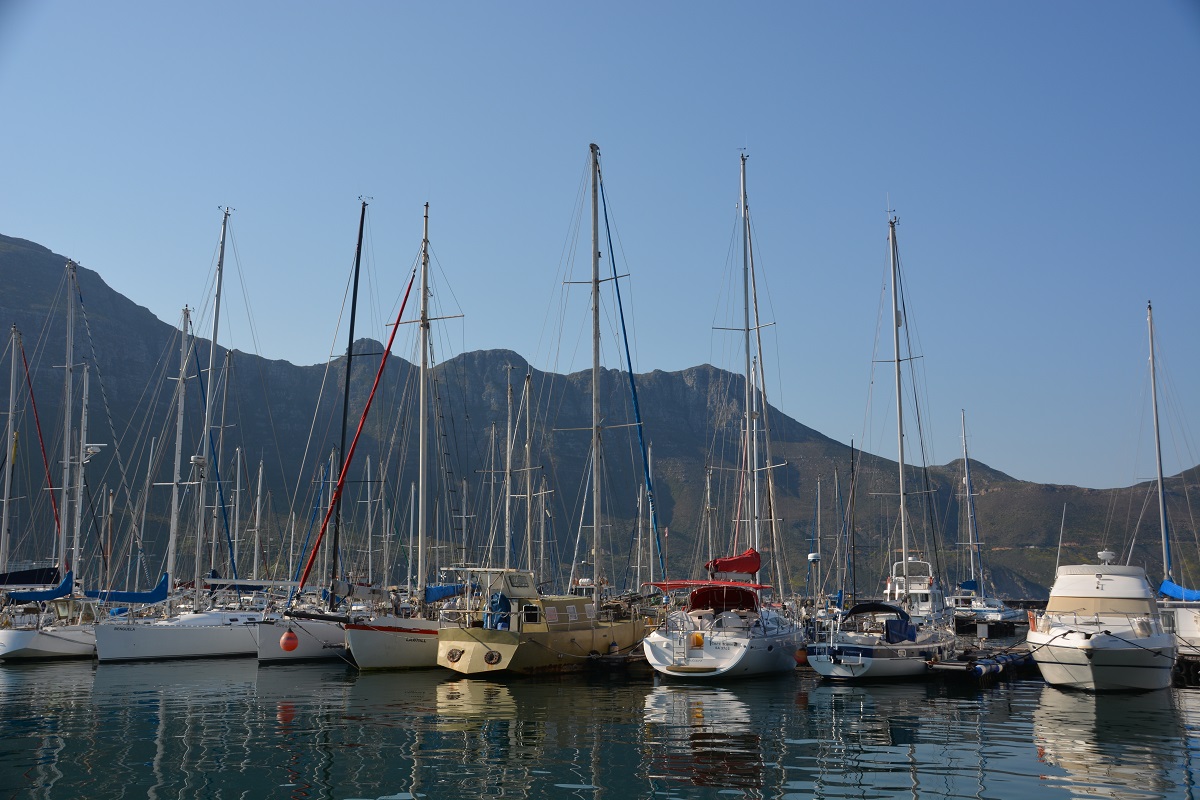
column 41, row 595
column 156, row 595
column 747, row 563
column 1176, row 592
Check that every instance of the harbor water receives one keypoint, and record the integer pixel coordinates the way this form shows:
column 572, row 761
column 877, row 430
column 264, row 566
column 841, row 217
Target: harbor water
column 230, row 729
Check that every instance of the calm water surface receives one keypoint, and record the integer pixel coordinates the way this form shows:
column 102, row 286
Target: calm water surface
column 229, row 729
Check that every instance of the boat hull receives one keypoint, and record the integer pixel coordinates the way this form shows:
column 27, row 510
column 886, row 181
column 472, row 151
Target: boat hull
column 48, row 643
column 696, row 654
column 208, row 634
column 1103, row 663
column 878, row 660
column 391, row 642
column 479, row 651
column 315, row 640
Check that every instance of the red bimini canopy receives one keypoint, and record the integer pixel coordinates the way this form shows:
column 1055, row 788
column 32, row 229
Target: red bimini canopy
column 748, row 563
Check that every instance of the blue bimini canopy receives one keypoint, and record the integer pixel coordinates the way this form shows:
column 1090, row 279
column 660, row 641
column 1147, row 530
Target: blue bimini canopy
column 41, row 595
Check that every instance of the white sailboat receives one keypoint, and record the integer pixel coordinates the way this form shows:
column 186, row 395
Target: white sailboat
column 56, row 622
column 397, row 641
column 1180, row 607
column 727, row 629
column 899, row 637
column 972, row 605
column 201, row 632
column 310, row 633
column 521, row 630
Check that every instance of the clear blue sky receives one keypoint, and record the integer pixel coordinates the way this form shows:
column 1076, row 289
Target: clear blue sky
column 1043, row 159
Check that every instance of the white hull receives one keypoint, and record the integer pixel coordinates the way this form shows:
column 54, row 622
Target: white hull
column 208, row 634
column 393, row 643
column 316, row 640
column 51, row 642
column 1121, row 662
column 853, row 656
column 731, row 653
column 1101, row 631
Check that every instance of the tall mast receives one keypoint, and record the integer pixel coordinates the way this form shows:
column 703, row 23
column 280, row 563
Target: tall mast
column 422, row 434
column 1162, row 497
column 596, row 468
column 508, row 453
column 972, row 530
column 528, row 476
column 209, row 389
column 180, row 395
column 898, row 321
column 751, row 476
column 335, row 543
column 10, row 448
column 83, row 457
column 64, row 563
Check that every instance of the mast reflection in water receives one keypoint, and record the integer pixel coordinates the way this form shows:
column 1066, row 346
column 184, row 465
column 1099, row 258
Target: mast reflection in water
column 231, row 729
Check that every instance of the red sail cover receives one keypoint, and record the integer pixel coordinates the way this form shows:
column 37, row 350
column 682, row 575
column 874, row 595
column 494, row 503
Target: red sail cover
column 747, row 563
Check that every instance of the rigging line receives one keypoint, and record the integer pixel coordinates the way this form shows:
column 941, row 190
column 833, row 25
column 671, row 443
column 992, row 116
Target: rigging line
column 41, row 442
column 216, row 466
column 354, row 444
column 124, row 483
column 637, row 412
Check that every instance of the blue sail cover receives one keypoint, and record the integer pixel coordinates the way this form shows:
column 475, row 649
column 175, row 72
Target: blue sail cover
column 40, row 595
column 442, row 591
column 156, row 595
column 1176, row 592
column 969, row 586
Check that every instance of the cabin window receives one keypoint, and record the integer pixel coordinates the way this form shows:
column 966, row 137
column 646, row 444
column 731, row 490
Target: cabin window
column 590, row 610
column 573, row 613
column 530, row 614
column 1091, row 606
column 551, row 614
column 518, row 581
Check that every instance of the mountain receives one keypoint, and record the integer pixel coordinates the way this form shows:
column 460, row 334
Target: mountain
column 287, row 418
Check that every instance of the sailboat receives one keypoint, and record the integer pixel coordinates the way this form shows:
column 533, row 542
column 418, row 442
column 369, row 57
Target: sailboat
column 899, row 637
column 520, row 630
column 972, row 605
column 727, row 629
column 56, row 621
column 408, row 639
column 1180, row 607
column 201, row 631
column 313, row 634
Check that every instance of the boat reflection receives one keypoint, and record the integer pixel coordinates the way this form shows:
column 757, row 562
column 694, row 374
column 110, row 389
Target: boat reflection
column 704, row 735
column 1109, row 745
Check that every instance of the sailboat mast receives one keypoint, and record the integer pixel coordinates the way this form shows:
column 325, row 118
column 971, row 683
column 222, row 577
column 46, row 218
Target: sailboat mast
column 335, row 543
column 897, row 322
column 969, row 496
column 68, row 401
column 9, row 447
column 596, row 469
column 180, row 396
column 422, row 412
column 83, row 456
column 1162, row 497
column 209, row 389
column 751, row 476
